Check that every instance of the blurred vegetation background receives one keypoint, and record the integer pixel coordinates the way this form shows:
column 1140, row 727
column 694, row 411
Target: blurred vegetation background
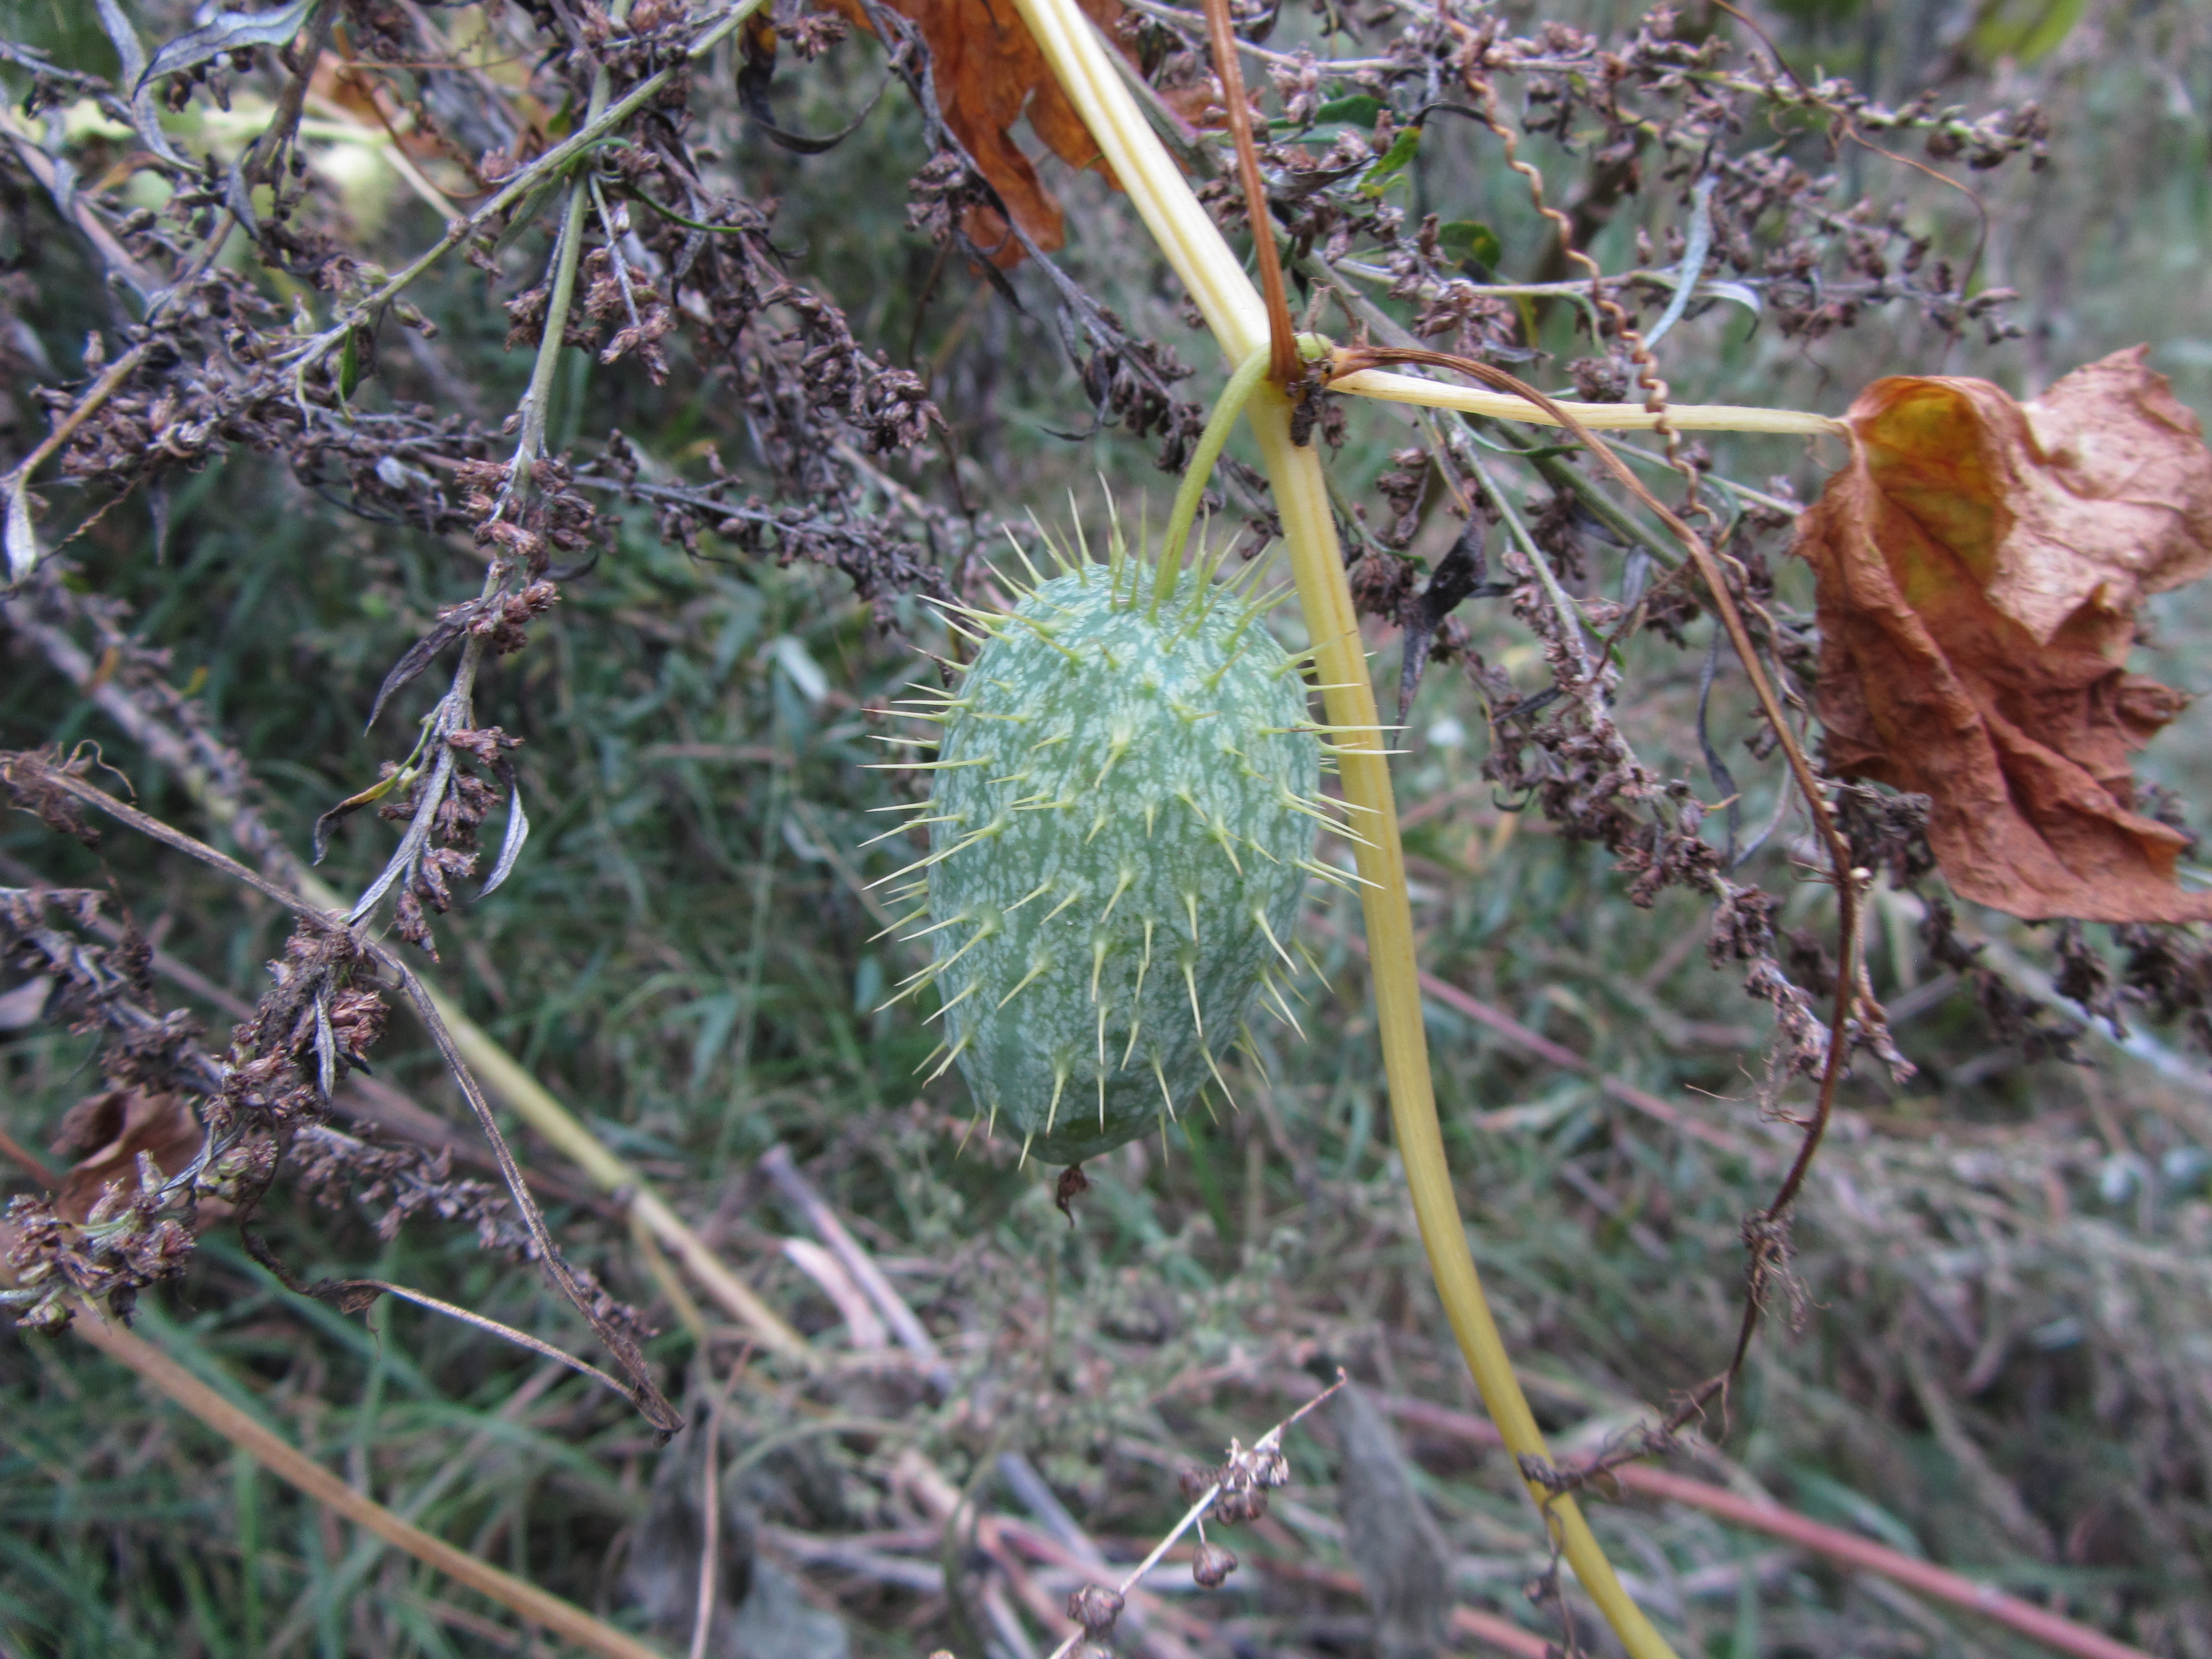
column 2000, row 1361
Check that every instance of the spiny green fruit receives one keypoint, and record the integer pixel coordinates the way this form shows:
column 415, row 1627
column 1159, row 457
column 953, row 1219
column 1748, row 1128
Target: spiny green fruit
column 1121, row 830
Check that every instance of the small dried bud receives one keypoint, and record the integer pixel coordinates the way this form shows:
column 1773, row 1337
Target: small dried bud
column 1211, row 1567
column 1193, row 1483
column 1074, row 1183
column 1240, row 1504
column 1269, row 1467
column 49, row 1316
column 1095, row 1608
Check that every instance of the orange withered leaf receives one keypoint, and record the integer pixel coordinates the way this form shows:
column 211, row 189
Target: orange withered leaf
column 987, row 73
column 1980, row 562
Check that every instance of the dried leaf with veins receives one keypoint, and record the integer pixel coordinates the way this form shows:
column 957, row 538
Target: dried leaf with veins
column 987, row 74
column 1980, row 563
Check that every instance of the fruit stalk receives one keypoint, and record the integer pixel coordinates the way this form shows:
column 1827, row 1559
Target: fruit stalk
column 1234, row 312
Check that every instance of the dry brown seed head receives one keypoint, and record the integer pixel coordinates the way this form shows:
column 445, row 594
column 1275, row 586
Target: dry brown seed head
column 1211, row 1567
column 1095, row 1608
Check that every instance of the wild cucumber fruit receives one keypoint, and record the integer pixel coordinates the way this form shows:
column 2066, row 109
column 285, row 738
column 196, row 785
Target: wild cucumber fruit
column 1121, row 830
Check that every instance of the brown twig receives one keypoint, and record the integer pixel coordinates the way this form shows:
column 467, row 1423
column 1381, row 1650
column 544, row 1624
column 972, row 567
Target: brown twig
column 260, row 164
column 98, row 394
column 279, row 1456
column 112, row 253
column 1544, row 1048
column 710, row 1530
column 218, row 778
column 1268, row 1445
column 30, row 1161
column 1639, row 354
column 913, row 1335
column 1486, row 1628
column 2061, row 1634
column 1851, row 132
column 364, row 1099
column 1060, row 1539
column 1284, row 366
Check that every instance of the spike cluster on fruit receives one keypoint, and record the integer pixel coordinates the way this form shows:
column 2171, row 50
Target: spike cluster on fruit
column 1122, row 825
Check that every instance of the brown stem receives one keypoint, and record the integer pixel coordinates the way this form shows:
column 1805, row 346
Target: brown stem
column 30, row 1161
column 1848, row 1549
column 101, row 391
column 159, row 1371
column 261, row 163
column 1283, row 363
column 1571, row 252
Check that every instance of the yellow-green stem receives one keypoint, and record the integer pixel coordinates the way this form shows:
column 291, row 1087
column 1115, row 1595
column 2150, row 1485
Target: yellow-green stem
column 1233, row 310
column 1184, row 514
column 1621, row 418
column 1341, row 662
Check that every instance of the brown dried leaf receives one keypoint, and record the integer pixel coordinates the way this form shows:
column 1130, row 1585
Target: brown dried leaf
column 988, row 73
column 111, row 1129
column 1979, row 565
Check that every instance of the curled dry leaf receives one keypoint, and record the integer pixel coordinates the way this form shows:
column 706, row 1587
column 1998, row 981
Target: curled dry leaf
column 987, row 73
column 110, row 1131
column 1979, row 565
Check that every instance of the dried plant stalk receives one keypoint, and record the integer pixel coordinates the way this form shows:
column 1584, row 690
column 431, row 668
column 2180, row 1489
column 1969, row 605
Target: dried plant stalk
column 280, row 1457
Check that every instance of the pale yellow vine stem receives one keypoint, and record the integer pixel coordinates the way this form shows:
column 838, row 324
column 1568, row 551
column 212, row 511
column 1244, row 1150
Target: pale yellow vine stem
column 1623, row 418
column 1233, row 309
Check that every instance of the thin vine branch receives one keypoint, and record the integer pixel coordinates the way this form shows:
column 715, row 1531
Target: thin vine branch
column 1764, row 1232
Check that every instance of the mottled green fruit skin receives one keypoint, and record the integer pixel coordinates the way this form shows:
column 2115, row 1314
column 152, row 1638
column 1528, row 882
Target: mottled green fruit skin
column 1141, row 770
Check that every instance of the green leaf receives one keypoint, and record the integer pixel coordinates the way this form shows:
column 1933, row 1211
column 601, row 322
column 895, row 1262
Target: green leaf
column 350, row 365
column 1395, row 161
column 1359, row 110
column 1466, row 239
column 2024, row 30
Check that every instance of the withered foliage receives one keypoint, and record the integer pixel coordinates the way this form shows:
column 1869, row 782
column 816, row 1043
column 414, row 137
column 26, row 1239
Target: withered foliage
column 1981, row 562
column 986, row 74
column 179, row 1127
column 1668, row 113
column 232, row 1121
